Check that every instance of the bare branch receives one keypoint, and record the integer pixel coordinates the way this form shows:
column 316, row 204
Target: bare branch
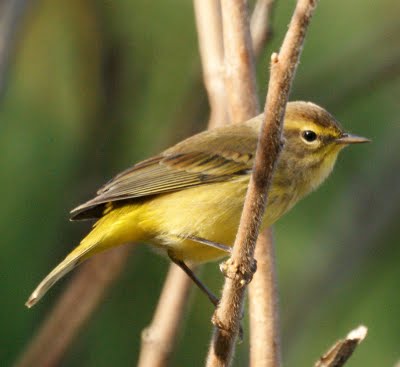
column 209, row 30
column 240, row 80
column 241, row 266
column 265, row 348
column 263, row 307
column 158, row 340
column 73, row 308
column 260, row 24
column 342, row 350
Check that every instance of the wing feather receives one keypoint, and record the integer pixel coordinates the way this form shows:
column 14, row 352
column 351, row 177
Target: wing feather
column 205, row 158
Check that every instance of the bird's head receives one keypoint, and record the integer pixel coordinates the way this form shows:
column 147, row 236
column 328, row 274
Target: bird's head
column 313, row 139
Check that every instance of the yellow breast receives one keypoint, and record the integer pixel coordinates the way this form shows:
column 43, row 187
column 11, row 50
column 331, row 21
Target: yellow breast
column 210, row 211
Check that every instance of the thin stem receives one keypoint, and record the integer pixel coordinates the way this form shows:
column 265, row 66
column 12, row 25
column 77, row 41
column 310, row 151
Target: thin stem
column 265, row 345
column 241, row 266
column 240, row 78
column 260, row 24
column 158, row 339
column 209, row 31
column 241, row 89
column 263, row 307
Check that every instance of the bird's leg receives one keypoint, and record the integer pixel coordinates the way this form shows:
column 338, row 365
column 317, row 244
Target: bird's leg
column 214, row 299
column 209, row 243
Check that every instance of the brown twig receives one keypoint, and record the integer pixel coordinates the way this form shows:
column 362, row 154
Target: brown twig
column 209, row 30
column 240, row 79
column 265, row 349
column 159, row 338
column 260, row 24
column 263, row 307
column 342, row 350
column 241, row 266
column 70, row 313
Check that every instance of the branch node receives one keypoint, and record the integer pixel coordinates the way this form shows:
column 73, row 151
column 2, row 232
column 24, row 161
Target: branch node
column 219, row 324
column 237, row 271
column 274, row 58
column 146, row 334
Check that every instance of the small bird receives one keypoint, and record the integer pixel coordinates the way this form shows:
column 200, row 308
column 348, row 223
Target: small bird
column 187, row 201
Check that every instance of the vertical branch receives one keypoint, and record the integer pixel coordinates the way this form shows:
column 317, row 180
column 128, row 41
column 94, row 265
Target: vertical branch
column 241, row 266
column 240, row 79
column 265, row 347
column 209, row 30
column 260, row 24
column 241, row 89
column 264, row 342
column 73, row 308
column 158, row 339
column 263, row 306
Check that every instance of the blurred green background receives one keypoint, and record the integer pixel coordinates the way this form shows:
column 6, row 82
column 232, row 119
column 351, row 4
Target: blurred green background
column 94, row 86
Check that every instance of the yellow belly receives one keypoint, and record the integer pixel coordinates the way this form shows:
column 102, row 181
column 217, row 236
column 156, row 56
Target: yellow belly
column 209, row 211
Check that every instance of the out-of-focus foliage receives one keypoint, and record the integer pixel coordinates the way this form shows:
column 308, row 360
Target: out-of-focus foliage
column 94, row 86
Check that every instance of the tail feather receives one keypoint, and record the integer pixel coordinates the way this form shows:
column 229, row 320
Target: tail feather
column 69, row 263
column 115, row 228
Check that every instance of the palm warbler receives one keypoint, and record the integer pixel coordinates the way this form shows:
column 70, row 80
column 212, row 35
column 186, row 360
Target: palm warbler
column 187, row 201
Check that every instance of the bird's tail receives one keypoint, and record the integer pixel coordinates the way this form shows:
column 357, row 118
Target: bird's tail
column 69, row 263
column 115, row 228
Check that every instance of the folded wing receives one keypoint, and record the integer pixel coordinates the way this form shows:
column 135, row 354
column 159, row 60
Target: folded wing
column 205, row 158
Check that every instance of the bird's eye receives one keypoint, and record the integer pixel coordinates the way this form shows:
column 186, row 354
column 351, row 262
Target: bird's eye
column 309, row 136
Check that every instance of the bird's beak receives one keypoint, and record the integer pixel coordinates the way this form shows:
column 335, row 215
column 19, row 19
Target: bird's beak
column 352, row 139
